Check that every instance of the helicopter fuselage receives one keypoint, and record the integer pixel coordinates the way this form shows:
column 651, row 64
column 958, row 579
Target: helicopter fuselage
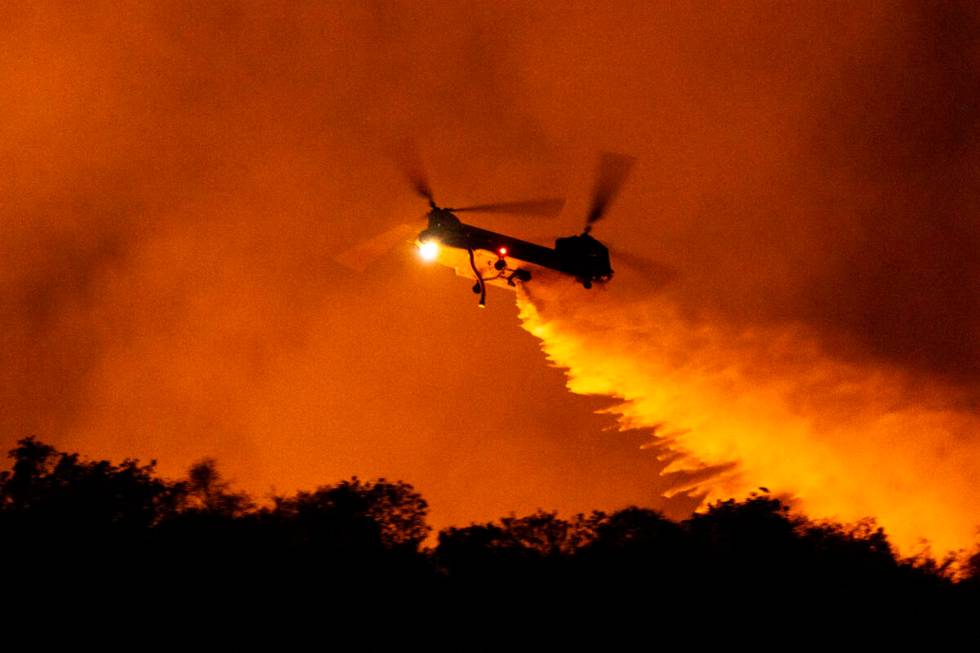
column 579, row 256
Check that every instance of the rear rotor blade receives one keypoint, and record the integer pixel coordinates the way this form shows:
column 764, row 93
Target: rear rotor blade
column 409, row 161
column 613, row 170
column 360, row 256
column 656, row 274
column 547, row 207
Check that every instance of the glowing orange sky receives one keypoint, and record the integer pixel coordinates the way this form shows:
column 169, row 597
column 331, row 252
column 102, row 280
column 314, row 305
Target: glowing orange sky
column 178, row 177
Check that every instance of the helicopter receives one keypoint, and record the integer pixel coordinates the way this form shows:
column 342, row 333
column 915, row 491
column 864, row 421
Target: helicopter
column 493, row 258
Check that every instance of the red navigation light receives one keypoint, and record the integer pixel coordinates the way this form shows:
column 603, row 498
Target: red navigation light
column 503, row 251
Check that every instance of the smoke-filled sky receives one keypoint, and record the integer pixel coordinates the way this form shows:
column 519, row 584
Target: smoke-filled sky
column 177, row 180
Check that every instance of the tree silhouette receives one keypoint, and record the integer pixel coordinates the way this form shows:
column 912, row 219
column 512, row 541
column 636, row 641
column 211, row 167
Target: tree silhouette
column 205, row 491
column 69, row 522
column 357, row 515
column 65, row 522
column 533, row 550
column 637, row 547
column 51, row 490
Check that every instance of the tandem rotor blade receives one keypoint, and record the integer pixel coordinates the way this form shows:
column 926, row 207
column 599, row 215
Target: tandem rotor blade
column 360, row 256
column 656, row 274
column 613, row 171
column 546, row 207
column 409, row 161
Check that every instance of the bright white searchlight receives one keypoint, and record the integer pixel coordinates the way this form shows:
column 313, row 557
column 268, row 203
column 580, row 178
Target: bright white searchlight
column 429, row 250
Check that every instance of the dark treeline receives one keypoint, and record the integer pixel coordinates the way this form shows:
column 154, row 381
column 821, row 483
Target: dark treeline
column 67, row 520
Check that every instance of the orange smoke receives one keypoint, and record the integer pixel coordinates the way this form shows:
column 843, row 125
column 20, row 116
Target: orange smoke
column 177, row 177
column 840, row 440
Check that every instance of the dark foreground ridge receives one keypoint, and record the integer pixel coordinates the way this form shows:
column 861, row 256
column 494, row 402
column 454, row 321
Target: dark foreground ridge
column 71, row 525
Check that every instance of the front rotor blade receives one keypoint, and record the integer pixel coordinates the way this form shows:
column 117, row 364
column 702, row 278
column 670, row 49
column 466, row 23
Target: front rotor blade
column 548, row 207
column 409, row 161
column 421, row 187
column 613, row 170
column 360, row 256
